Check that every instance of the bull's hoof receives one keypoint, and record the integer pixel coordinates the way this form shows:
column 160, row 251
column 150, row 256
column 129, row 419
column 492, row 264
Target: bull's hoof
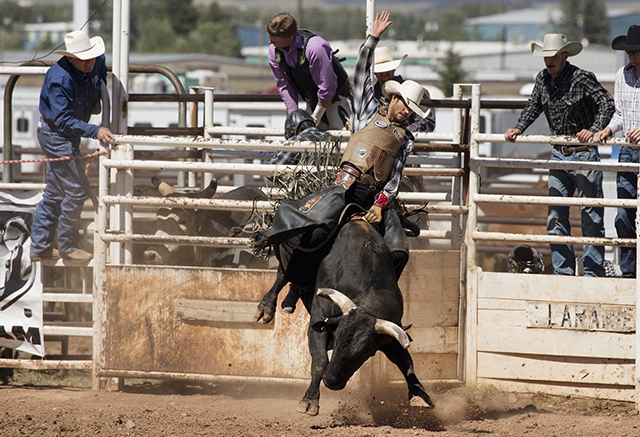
column 262, row 315
column 311, row 408
column 417, row 401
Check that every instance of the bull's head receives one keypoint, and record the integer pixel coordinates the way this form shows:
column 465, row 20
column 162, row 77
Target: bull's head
column 176, row 222
column 357, row 336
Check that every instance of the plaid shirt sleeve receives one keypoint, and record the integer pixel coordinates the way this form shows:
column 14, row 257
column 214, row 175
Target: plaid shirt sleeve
column 533, row 108
column 604, row 104
column 364, row 101
column 392, row 187
column 626, row 95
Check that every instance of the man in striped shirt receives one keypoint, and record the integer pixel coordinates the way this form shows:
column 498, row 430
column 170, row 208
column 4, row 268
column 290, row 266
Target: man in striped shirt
column 575, row 104
column 627, row 119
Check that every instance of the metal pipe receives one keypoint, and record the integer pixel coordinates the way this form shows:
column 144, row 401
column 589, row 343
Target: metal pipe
column 467, row 350
column 550, row 139
column 200, row 377
column 556, row 165
column 252, row 169
column 116, row 66
column 46, row 364
column 236, row 205
column 67, row 330
column 67, row 297
column 557, row 201
column 556, row 239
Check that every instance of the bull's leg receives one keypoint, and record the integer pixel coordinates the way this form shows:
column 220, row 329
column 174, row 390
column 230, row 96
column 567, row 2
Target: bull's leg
column 267, row 306
column 399, row 356
column 310, row 402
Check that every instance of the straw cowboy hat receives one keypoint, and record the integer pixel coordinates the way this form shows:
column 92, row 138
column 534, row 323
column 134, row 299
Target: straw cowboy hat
column 383, row 61
column 628, row 42
column 410, row 91
column 78, row 45
column 554, row 43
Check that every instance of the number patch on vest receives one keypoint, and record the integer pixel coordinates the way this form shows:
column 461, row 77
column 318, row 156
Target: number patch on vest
column 397, row 134
column 381, row 124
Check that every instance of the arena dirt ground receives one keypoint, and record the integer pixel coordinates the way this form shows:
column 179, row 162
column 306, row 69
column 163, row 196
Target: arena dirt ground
column 152, row 408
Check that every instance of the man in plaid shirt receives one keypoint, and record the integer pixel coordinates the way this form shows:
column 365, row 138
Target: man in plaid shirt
column 627, row 119
column 575, row 103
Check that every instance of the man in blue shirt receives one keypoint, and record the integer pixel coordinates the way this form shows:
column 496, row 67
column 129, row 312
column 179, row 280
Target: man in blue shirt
column 70, row 94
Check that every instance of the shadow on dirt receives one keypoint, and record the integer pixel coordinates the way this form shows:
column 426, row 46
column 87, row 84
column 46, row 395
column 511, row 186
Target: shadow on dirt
column 236, row 390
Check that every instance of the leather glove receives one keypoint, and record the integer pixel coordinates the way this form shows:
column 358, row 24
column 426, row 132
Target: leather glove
column 374, row 215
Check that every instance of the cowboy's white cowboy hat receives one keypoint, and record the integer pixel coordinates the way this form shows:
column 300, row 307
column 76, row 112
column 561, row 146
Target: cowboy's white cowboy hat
column 554, row 43
column 78, row 45
column 410, row 91
column 383, row 61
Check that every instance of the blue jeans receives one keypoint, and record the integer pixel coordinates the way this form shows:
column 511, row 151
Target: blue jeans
column 626, row 218
column 564, row 183
column 64, row 196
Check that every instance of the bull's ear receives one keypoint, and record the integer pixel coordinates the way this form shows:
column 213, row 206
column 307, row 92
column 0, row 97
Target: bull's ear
column 405, row 329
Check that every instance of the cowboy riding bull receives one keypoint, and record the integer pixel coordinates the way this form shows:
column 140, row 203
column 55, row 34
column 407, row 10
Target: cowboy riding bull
column 200, row 222
column 352, row 265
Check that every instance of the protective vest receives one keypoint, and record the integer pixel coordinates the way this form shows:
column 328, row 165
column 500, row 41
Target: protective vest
column 373, row 148
column 300, row 75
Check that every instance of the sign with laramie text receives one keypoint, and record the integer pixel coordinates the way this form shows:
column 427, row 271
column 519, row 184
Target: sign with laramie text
column 585, row 317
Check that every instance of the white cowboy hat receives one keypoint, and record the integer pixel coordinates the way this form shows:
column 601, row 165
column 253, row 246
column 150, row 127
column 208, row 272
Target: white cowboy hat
column 383, row 61
column 554, row 43
column 78, row 45
column 410, row 91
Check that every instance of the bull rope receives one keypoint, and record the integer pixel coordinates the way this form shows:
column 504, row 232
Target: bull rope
column 90, row 156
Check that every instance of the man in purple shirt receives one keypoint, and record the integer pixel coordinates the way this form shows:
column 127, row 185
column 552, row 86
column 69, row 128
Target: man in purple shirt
column 304, row 66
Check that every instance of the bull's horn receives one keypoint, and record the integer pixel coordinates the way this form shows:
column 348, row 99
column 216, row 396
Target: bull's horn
column 163, row 188
column 344, row 303
column 390, row 328
column 206, row 193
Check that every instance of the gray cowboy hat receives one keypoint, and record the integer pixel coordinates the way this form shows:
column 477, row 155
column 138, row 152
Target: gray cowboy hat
column 628, row 42
column 554, row 43
column 78, row 45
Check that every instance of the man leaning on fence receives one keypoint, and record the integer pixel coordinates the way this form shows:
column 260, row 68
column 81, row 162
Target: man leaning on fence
column 626, row 119
column 575, row 104
column 69, row 95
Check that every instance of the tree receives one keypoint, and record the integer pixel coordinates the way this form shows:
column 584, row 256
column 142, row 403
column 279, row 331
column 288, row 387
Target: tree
column 215, row 39
column 450, row 71
column 571, row 24
column 181, row 14
column 157, row 36
column 585, row 19
column 595, row 23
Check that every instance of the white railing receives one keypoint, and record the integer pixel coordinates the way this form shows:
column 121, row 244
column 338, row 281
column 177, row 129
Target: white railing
column 473, row 234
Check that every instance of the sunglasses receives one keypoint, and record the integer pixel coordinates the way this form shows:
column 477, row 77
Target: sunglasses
column 633, row 52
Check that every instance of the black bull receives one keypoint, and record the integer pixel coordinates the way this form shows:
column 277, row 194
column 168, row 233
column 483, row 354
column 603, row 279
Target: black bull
column 356, row 312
